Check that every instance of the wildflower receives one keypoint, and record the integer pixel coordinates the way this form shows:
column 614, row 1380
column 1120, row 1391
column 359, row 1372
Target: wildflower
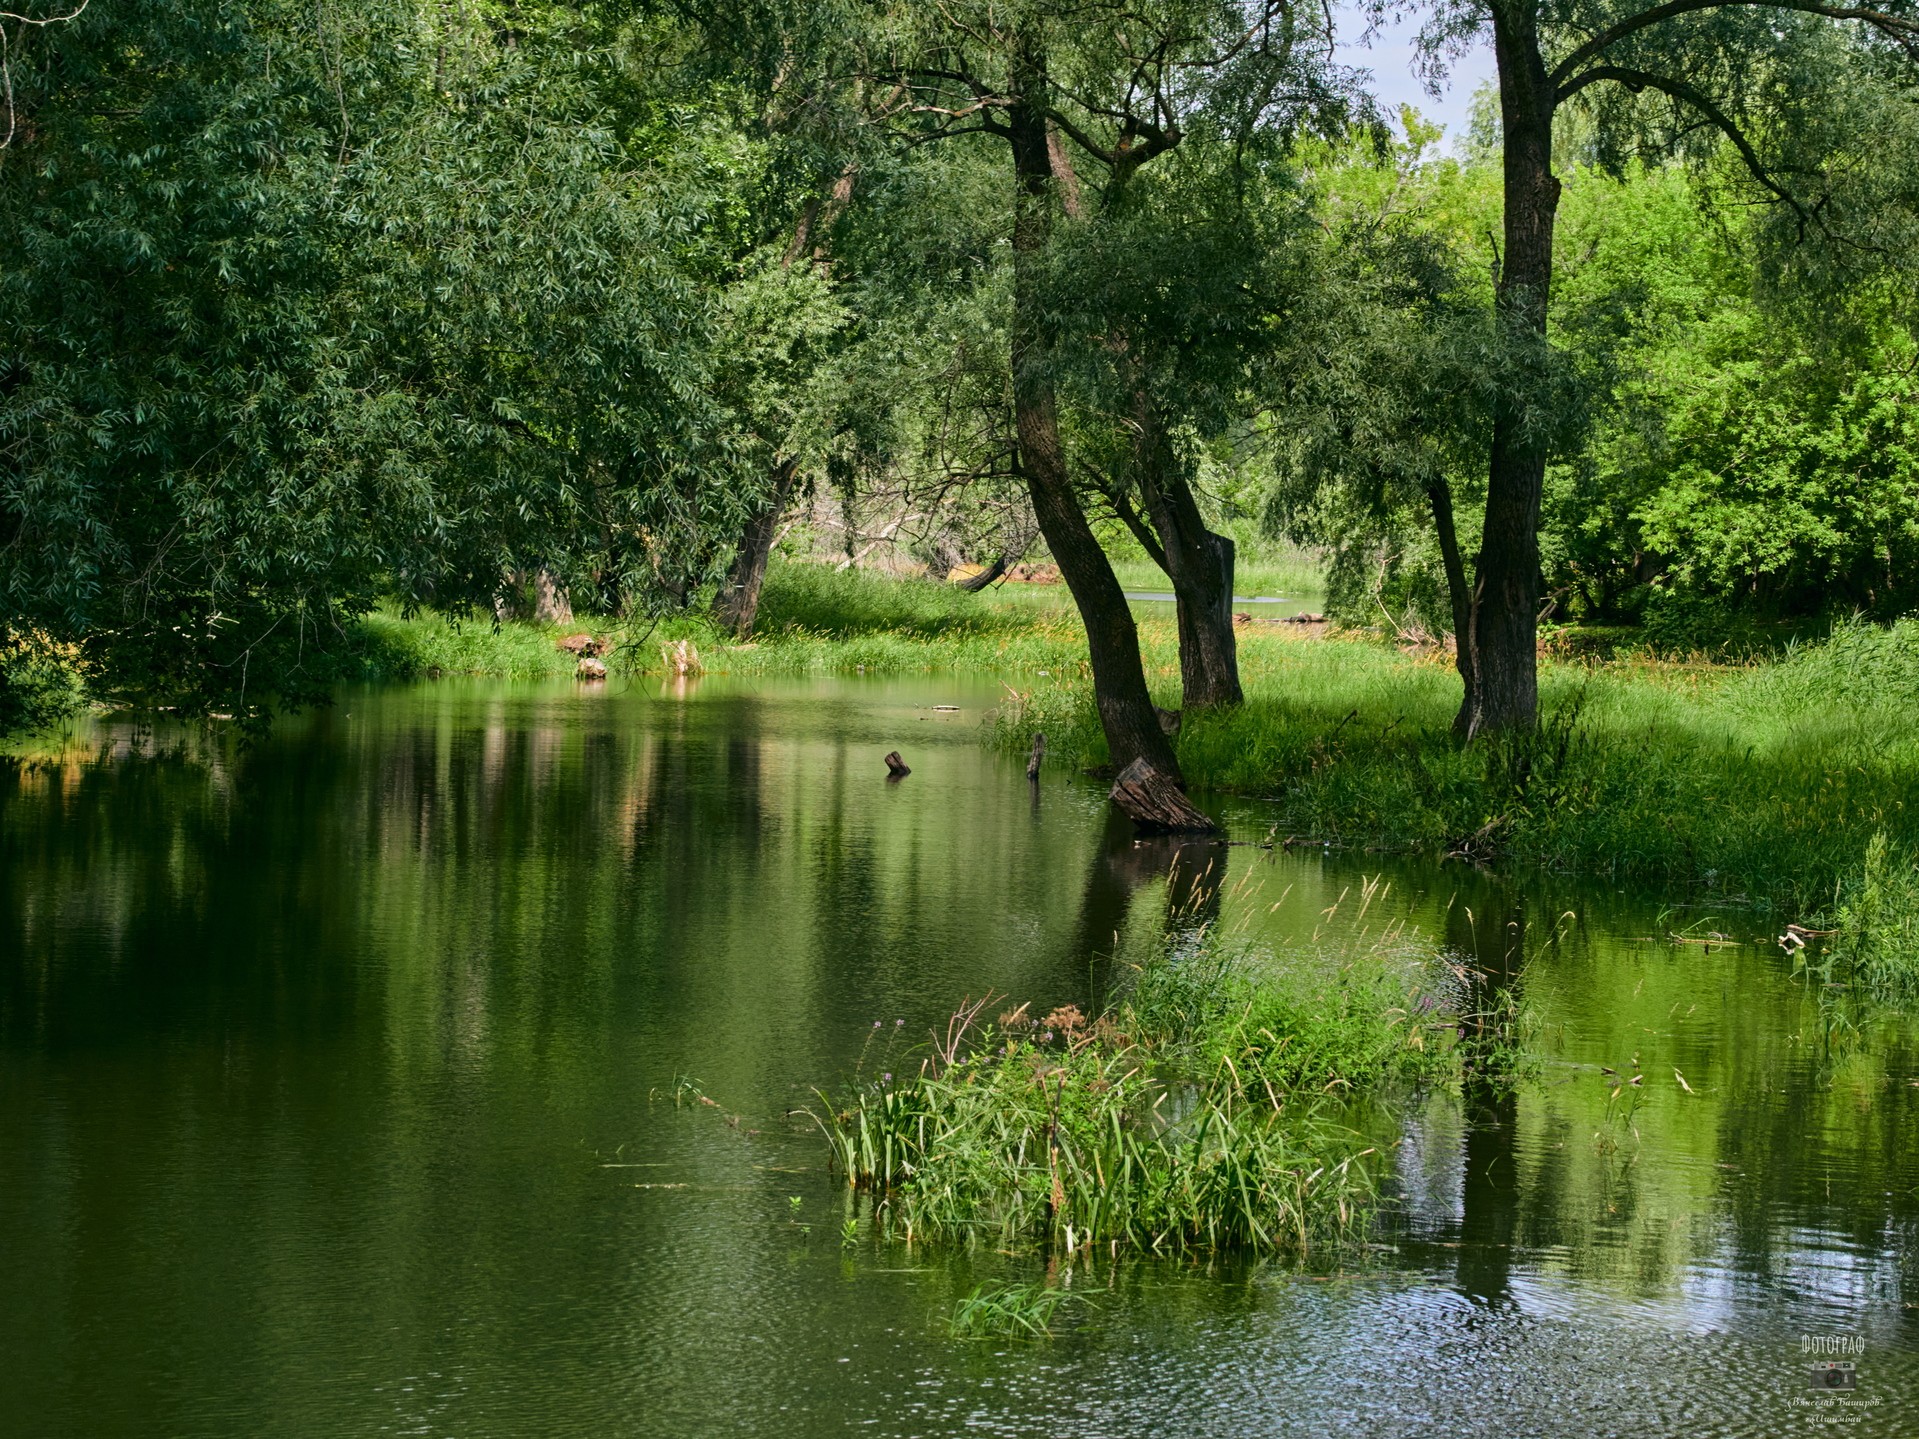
column 886, row 1078
column 876, row 1024
column 898, row 1022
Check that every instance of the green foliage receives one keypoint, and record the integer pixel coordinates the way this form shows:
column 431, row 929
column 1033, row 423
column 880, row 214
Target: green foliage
column 298, row 318
column 40, row 682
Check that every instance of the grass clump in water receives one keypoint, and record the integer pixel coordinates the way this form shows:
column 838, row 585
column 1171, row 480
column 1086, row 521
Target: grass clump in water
column 1195, row 1117
column 1876, row 948
column 1023, row 1311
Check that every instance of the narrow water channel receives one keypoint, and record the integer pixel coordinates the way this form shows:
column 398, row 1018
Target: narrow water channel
column 337, row 1097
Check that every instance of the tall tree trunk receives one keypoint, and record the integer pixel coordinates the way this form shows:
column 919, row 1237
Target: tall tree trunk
column 1199, row 564
column 738, row 602
column 1119, row 680
column 1503, row 633
column 1460, row 595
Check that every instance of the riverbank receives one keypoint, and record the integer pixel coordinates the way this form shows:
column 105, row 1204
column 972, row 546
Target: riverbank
column 1758, row 784
column 1753, row 785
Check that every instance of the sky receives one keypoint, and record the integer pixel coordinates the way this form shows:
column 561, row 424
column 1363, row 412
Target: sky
column 1390, row 58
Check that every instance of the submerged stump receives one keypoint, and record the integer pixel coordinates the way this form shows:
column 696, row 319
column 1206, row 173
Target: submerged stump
column 1157, row 805
column 896, row 767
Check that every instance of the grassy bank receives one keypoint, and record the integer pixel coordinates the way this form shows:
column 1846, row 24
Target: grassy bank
column 812, row 619
column 1194, row 1117
column 1763, row 783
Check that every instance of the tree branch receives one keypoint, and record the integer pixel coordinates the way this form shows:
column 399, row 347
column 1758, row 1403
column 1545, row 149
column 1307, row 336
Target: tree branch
column 1637, row 80
column 1905, row 31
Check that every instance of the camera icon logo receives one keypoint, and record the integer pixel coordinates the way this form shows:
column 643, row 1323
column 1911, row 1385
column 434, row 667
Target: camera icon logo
column 1835, row 1374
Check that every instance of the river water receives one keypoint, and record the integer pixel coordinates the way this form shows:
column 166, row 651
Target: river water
column 337, row 1098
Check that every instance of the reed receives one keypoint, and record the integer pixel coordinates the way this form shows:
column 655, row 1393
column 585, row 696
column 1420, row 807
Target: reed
column 1009, row 1310
column 1875, row 950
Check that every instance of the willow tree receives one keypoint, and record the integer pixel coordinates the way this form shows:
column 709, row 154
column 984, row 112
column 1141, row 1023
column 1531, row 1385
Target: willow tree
column 1745, row 73
column 1082, row 97
column 298, row 314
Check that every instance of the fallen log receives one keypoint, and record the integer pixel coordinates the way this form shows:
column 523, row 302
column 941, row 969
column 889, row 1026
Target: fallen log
column 1157, row 805
column 896, row 767
column 1039, row 753
column 973, row 584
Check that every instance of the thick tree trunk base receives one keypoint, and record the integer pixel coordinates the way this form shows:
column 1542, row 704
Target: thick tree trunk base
column 1156, row 804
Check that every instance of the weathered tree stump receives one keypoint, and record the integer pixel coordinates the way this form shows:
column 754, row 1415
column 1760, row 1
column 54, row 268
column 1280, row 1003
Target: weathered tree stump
column 896, row 767
column 1039, row 753
column 1157, row 805
column 590, row 668
column 583, row 645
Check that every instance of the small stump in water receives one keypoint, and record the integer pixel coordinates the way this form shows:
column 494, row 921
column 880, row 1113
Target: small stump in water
column 681, row 660
column 896, row 767
column 589, row 668
column 1157, row 805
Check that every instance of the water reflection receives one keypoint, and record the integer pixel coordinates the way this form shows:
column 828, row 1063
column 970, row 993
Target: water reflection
column 330, row 1077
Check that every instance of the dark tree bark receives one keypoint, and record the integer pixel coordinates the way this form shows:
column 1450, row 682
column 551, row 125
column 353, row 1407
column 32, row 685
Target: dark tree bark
column 1199, row 564
column 1196, row 562
column 1156, row 804
column 1501, row 635
column 737, row 604
column 1119, row 680
column 1440, row 492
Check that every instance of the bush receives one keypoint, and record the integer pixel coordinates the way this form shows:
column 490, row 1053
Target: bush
column 40, row 682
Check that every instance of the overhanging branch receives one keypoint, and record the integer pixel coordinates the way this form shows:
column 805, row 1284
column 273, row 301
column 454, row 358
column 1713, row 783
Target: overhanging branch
column 1896, row 27
column 1637, row 80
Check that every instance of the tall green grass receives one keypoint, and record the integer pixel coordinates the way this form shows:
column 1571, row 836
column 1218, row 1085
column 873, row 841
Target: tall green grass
column 1194, row 1117
column 813, row 618
column 393, row 646
column 1876, row 948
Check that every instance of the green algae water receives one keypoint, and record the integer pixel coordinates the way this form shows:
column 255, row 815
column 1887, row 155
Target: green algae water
column 358, row 1084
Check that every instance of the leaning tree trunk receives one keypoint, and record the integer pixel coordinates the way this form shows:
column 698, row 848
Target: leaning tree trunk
column 1119, row 680
column 738, row 602
column 1199, row 564
column 1503, row 632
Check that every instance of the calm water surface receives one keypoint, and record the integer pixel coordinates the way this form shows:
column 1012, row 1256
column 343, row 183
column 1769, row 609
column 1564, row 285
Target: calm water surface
column 336, row 1077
